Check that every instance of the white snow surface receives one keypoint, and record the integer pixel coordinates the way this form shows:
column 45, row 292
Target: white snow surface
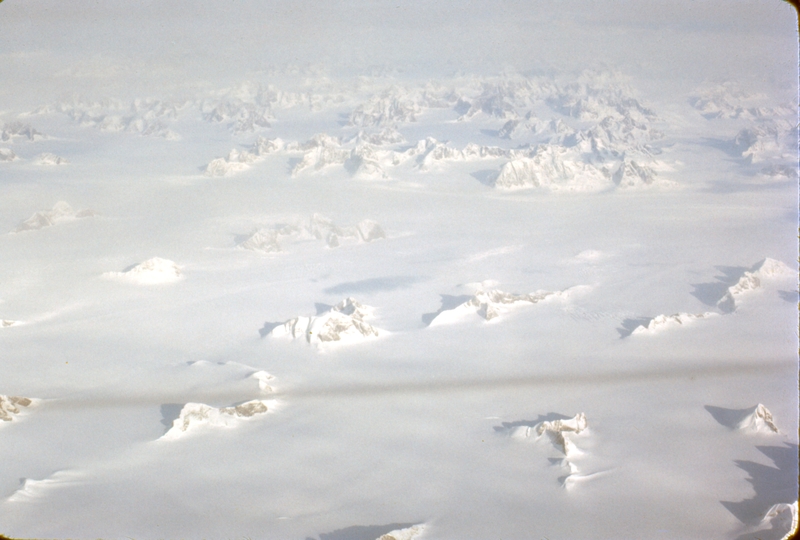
column 293, row 164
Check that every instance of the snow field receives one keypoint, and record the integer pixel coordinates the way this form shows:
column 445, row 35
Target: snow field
column 550, row 303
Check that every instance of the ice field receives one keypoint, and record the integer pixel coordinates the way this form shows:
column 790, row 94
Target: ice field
column 361, row 270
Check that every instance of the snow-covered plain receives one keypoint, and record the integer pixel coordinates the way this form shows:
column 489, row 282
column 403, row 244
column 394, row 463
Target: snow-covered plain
column 358, row 271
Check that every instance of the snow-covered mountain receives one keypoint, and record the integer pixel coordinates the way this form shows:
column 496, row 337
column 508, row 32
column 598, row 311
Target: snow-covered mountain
column 197, row 416
column 61, row 211
column 343, row 323
column 286, row 159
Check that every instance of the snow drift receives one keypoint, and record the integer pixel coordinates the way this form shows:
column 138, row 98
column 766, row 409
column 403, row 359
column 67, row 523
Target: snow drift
column 33, row 489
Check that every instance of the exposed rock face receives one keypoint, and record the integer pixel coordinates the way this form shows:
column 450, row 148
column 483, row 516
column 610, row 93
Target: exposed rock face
column 193, row 415
column 386, row 136
column 661, row 322
column 764, row 141
column 615, row 151
column 553, row 167
column 145, row 117
column 344, row 322
column 490, row 304
column 365, row 162
column 558, row 430
column 509, row 129
column 763, row 271
column 264, row 146
column 630, row 173
column 235, row 161
column 325, row 229
column 386, row 110
column 727, row 100
column 10, row 406
column 267, row 240
column 52, row 159
column 779, row 523
column 409, row 533
column 14, row 130
column 262, row 241
column 560, row 433
column 758, row 419
column 242, row 116
column 321, row 156
column 486, row 302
